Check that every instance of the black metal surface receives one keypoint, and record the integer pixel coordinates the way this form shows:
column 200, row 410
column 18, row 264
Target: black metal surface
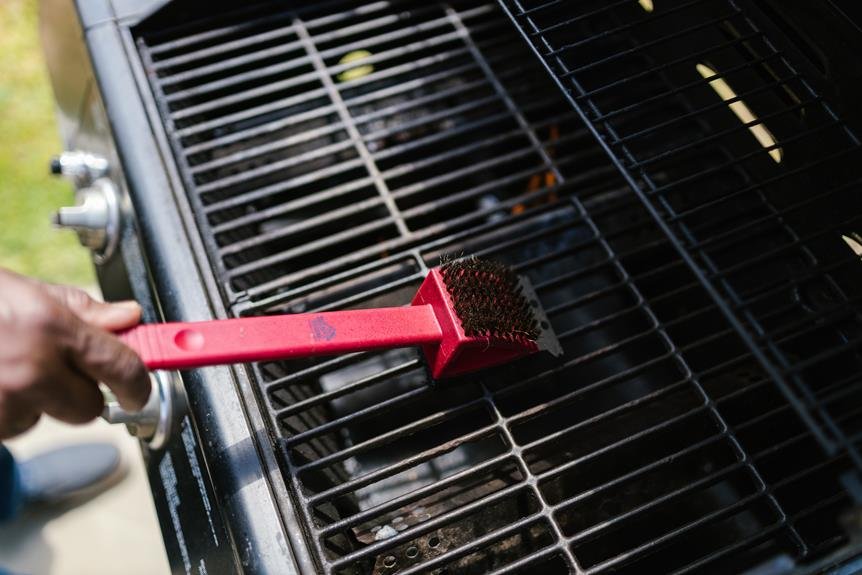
column 714, row 188
column 669, row 437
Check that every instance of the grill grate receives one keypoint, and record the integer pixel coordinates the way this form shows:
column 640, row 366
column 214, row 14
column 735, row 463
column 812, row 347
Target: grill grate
column 660, row 440
column 293, row 162
column 781, row 183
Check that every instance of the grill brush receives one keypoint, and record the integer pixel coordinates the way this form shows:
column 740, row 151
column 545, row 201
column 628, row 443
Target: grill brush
column 468, row 314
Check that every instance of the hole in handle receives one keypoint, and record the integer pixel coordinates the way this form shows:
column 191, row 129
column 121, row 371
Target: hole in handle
column 189, row 340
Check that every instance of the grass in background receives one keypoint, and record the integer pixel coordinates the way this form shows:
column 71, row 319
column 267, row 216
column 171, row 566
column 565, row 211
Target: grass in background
column 28, row 139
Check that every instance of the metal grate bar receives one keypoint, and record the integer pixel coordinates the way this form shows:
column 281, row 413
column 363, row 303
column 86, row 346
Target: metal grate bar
column 406, row 32
column 202, row 90
column 658, row 541
column 652, row 43
column 466, row 35
column 412, row 189
column 251, row 112
column 257, row 151
column 694, row 56
column 403, row 465
column 365, row 26
column 604, row 34
column 531, row 482
column 607, row 8
column 343, row 113
column 461, row 151
column 398, row 401
column 562, row 433
column 432, row 206
column 405, row 50
column 495, row 463
column 474, row 545
column 268, row 19
column 622, row 479
column 246, row 95
column 741, row 192
column 466, row 107
column 529, row 560
column 438, row 58
column 845, row 387
column 300, row 226
column 437, row 96
column 409, row 67
column 437, row 522
column 722, row 105
column 360, row 256
column 235, row 62
column 814, row 359
column 609, row 524
column 762, row 534
column 292, row 161
column 389, row 436
column 732, row 163
column 216, row 49
column 316, row 370
column 741, row 129
column 341, row 391
column 286, row 255
column 754, row 227
column 409, row 85
column 266, row 128
column 730, row 270
column 662, row 97
column 280, row 187
column 439, row 136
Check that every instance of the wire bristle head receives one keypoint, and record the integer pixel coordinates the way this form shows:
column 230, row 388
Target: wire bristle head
column 489, row 299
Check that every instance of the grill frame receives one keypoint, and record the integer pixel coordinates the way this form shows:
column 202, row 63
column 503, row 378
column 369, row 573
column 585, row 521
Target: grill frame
column 243, row 306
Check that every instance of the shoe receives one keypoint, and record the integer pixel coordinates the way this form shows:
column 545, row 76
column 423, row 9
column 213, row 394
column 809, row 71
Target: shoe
column 68, row 473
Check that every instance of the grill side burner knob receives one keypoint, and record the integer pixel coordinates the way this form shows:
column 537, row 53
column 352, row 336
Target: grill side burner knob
column 95, row 218
column 80, row 167
column 156, row 422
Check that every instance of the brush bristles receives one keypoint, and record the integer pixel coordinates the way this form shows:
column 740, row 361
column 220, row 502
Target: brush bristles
column 489, row 300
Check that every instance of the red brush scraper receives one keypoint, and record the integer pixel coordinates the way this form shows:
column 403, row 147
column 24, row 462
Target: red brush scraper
column 468, row 314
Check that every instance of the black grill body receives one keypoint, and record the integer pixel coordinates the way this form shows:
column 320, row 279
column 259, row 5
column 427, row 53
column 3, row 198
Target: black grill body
column 677, row 180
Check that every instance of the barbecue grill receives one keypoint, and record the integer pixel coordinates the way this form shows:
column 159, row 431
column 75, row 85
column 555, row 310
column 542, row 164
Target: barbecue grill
column 678, row 180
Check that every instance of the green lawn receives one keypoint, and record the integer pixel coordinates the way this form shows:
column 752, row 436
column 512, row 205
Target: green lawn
column 28, row 138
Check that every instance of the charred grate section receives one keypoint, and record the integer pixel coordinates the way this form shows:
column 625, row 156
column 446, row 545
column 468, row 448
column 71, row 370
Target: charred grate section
column 745, row 168
column 334, row 155
column 658, row 444
column 308, row 139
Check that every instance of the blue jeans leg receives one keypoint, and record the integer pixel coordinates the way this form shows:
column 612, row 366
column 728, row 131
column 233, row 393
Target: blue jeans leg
column 10, row 486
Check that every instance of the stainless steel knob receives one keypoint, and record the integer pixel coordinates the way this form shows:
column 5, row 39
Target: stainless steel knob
column 157, row 421
column 95, row 218
column 80, row 167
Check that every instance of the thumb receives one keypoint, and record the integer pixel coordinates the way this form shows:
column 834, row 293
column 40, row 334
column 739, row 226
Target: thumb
column 107, row 316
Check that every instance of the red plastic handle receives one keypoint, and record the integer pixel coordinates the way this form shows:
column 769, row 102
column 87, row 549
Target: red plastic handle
column 185, row 345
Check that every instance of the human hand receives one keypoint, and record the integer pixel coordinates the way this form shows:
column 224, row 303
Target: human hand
column 55, row 345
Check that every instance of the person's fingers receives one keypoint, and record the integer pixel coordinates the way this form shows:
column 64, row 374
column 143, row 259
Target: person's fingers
column 16, row 417
column 103, row 357
column 74, row 398
column 108, row 316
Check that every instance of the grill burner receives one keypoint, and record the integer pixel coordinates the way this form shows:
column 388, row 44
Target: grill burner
column 660, row 441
